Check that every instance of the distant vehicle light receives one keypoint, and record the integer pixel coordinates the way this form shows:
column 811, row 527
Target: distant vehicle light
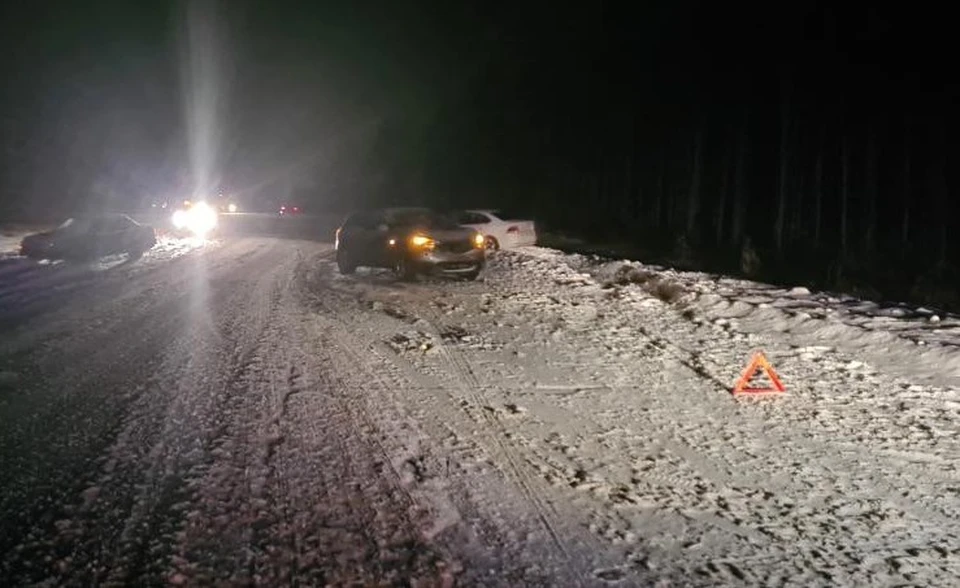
column 479, row 240
column 232, row 207
column 392, row 242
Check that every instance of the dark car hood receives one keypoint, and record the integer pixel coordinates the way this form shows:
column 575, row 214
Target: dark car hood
column 37, row 238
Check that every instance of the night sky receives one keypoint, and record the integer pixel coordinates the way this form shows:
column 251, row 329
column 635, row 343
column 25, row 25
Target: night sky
column 707, row 119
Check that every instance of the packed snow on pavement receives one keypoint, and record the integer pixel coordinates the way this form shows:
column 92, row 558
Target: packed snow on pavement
column 243, row 413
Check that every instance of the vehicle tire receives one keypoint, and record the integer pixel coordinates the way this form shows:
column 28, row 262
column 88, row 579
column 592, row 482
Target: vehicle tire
column 471, row 276
column 491, row 244
column 345, row 264
column 403, row 269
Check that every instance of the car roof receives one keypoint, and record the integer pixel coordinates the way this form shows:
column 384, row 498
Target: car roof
column 395, row 209
column 100, row 215
column 392, row 210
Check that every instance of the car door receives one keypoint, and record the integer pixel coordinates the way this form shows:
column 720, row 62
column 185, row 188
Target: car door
column 356, row 236
column 112, row 235
column 382, row 231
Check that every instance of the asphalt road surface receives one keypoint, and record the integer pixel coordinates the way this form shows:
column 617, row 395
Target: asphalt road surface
column 238, row 413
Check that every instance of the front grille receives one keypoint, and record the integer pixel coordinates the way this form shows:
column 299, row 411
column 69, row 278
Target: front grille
column 455, row 246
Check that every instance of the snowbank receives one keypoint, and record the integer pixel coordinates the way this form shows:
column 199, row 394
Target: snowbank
column 902, row 340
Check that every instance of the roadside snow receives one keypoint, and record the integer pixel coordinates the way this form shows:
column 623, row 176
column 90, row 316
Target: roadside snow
column 563, row 421
column 606, row 387
column 899, row 339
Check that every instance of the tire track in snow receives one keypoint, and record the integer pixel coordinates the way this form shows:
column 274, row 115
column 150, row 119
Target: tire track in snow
column 118, row 517
column 470, row 384
column 495, row 442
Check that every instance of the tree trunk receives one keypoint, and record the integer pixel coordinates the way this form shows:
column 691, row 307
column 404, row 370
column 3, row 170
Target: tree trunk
column 724, row 189
column 739, row 187
column 870, row 191
column 630, row 193
column 693, row 197
column 796, row 215
column 658, row 202
column 782, row 183
column 670, row 201
column 905, row 226
column 844, row 194
column 818, row 196
column 944, row 211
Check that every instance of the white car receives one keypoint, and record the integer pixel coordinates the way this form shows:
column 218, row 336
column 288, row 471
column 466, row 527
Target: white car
column 499, row 232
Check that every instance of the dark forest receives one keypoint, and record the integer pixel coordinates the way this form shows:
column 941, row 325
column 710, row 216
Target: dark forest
column 820, row 139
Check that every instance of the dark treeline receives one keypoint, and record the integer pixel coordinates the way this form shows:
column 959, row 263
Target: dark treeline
column 820, row 138
column 825, row 143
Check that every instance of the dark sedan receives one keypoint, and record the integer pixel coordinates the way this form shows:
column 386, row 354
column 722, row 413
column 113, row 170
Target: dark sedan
column 91, row 237
column 410, row 241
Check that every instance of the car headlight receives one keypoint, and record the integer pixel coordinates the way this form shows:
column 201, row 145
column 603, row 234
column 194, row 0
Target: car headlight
column 422, row 242
column 200, row 219
column 478, row 240
column 180, row 219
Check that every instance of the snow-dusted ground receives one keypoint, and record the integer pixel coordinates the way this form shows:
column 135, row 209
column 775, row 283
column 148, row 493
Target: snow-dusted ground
column 29, row 287
column 917, row 343
column 244, row 414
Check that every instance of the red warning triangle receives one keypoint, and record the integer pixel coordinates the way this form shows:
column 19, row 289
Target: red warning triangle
column 759, row 362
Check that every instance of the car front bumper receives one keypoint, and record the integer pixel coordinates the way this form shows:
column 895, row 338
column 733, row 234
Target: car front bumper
column 448, row 263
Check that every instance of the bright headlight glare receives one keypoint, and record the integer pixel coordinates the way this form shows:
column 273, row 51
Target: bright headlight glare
column 203, row 219
column 180, row 219
column 421, row 241
column 478, row 240
column 200, row 219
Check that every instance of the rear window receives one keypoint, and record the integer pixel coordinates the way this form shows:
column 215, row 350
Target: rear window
column 510, row 214
column 363, row 220
column 472, row 218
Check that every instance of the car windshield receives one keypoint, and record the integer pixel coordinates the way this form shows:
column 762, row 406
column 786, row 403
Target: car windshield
column 75, row 225
column 425, row 219
column 508, row 214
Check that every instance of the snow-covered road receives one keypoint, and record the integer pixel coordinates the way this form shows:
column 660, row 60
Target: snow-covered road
column 239, row 413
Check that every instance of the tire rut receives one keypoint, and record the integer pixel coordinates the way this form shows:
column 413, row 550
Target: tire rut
column 496, row 444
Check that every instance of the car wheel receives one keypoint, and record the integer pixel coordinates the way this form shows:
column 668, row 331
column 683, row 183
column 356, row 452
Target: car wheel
column 403, row 269
column 491, row 244
column 471, row 276
column 345, row 264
